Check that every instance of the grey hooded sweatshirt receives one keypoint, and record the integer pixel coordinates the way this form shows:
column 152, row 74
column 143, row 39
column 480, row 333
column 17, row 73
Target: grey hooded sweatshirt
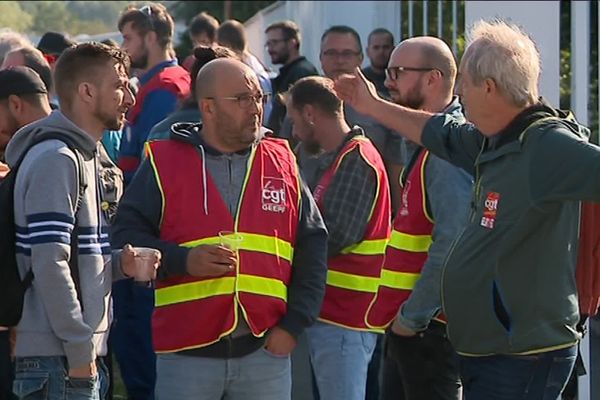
column 54, row 321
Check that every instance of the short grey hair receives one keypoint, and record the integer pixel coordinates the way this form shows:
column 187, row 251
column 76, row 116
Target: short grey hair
column 505, row 53
column 11, row 40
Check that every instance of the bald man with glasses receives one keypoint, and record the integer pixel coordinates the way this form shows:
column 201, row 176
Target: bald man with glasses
column 419, row 361
column 227, row 318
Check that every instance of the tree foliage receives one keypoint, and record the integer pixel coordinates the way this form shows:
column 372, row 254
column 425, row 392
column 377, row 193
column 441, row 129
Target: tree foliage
column 72, row 17
column 240, row 10
column 13, row 16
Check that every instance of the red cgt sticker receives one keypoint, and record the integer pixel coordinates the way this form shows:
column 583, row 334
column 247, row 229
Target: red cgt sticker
column 490, row 209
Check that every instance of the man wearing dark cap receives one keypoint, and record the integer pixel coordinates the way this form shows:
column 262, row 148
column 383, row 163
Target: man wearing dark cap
column 23, row 99
column 52, row 44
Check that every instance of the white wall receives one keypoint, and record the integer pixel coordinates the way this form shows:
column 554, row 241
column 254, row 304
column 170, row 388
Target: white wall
column 314, row 17
column 541, row 19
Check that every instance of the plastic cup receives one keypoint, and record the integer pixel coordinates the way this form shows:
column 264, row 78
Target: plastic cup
column 231, row 240
column 145, row 258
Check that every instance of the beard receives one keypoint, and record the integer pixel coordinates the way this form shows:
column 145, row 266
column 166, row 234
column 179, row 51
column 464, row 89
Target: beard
column 110, row 121
column 142, row 61
column 413, row 99
column 280, row 58
column 238, row 135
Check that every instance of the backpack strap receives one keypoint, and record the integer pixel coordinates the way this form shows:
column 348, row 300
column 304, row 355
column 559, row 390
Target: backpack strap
column 74, row 259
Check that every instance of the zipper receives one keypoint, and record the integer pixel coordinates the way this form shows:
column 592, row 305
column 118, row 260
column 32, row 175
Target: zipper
column 477, row 185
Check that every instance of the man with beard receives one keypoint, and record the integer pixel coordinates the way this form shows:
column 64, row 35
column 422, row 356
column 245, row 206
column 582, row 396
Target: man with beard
column 283, row 44
column 379, row 47
column 147, row 38
column 419, row 360
column 61, row 233
column 341, row 53
column 227, row 316
column 350, row 187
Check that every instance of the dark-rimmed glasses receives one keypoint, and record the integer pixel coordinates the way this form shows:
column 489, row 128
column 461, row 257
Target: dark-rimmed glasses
column 392, row 73
column 245, row 100
column 273, row 42
column 345, row 54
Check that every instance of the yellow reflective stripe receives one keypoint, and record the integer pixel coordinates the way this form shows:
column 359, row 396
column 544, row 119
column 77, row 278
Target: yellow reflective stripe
column 194, row 291
column 219, row 286
column 353, row 282
column 267, row 244
column 198, row 242
column 414, row 243
column 367, row 247
column 261, row 285
column 150, row 155
column 398, row 280
column 253, row 242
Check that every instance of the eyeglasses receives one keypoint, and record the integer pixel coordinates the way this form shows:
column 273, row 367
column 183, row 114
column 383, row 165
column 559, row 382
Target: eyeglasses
column 147, row 11
column 273, row 42
column 392, row 73
column 245, row 100
column 346, row 54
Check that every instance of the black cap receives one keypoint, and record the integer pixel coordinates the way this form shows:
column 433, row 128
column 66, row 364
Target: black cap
column 20, row 80
column 54, row 43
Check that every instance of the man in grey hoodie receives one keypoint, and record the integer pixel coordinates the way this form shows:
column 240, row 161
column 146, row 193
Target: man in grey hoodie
column 62, row 236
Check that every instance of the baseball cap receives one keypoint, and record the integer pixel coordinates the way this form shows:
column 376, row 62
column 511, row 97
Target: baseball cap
column 54, row 43
column 20, row 80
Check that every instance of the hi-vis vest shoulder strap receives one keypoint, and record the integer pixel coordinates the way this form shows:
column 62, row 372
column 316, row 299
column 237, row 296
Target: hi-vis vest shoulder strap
column 407, row 249
column 353, row 275
column 192, row 312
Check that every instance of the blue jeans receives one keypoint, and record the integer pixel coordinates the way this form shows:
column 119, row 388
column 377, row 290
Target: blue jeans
column 540, row 376
column 131, row 338
column 46, row 378
column 340, row 359
column 6, row 367
column 258, row 376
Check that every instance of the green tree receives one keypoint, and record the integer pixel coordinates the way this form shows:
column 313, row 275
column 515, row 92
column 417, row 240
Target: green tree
column 48, row 16
column 14, row 17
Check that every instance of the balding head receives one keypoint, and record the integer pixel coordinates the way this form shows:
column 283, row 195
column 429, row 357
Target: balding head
column 231, row 103
column 429, row 52
column 218, row 72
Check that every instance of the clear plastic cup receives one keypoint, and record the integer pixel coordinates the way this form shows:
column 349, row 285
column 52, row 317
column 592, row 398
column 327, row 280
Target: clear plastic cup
column 231, row 240
column 145, row 272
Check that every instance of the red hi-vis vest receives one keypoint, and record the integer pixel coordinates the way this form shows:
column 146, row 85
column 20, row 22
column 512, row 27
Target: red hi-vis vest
column 353, row 275
column 406, row 252
column 196, row 312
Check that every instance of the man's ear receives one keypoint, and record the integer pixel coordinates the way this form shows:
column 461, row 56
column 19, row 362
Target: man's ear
column 86, row 92
column 150, row 39
column 15, row 104
column 308, row 113
column 206, row 107
column 490, row 86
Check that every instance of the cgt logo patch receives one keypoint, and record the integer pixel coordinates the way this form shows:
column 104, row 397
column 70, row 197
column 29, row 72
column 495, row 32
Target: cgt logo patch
column 274, row 197
column 490, row 209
